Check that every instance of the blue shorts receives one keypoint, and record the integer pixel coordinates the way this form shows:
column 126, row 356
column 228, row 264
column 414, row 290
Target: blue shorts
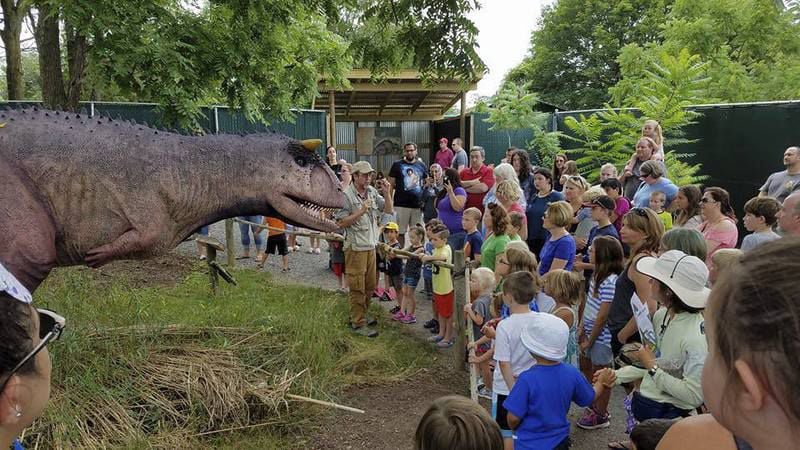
column 600, row 354
column 411, row 281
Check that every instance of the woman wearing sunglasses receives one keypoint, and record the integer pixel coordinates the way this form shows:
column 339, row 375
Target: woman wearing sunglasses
column 24, row 359
column 719, row 228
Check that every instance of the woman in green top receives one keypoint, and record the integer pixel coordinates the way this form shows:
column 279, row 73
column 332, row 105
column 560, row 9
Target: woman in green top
column 497, row 222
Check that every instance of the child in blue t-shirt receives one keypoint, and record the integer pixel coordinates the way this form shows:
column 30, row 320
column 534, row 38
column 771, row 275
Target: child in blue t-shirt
column 539, row 401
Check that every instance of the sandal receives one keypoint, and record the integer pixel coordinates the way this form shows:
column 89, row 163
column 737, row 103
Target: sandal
column 624, row 445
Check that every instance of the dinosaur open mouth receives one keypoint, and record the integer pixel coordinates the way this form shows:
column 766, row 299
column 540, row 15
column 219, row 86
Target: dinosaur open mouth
column 316, row 216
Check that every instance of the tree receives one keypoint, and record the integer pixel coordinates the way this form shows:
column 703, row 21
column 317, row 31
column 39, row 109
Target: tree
column 574, row 50
column 264, row 57
column 31, row 82
column 14, row 12
column 668, row 87
column 513, row 108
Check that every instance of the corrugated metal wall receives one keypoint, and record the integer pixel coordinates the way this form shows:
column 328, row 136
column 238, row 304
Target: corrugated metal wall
column 413, row 131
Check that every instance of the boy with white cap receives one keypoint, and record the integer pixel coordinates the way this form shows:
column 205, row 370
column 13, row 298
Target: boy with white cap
column 539, row 402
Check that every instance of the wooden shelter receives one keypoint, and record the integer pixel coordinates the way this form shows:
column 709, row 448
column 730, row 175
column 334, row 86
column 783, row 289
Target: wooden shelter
column 402, row 96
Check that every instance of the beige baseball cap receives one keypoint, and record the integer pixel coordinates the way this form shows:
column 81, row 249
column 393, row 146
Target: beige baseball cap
column 362, row 167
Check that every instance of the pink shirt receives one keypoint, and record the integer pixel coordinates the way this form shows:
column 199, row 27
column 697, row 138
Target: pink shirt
column 516, row 207
column 444, row 158
column 726, row 238
column 623, row 206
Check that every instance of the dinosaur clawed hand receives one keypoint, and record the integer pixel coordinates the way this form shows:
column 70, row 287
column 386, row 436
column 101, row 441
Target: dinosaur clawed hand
column 99, row 256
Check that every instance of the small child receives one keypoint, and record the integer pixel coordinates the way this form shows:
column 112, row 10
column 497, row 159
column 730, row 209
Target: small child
column 337, row 263
column 613, row 189
column 657, row 201
column 760, row 215
column 442, row 287
column 484, row 347
column 567, row 290
column 470, row 221
column 393, row 268
column 721, row 261
column 647, row 434
column 276, row 241
column 481, row 282
column 511, row 357
column 517, row 222
column 411, row 275
column 538, row 404
column 292, row 239
column 427, row 275
column 457, row 422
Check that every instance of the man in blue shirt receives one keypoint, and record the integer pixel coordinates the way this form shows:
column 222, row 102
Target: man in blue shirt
column 653, row 180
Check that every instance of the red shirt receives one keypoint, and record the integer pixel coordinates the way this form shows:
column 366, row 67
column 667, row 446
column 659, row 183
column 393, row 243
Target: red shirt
column 486, row 175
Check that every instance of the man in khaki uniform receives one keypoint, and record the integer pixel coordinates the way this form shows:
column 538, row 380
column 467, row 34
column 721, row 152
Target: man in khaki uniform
column 364, row 209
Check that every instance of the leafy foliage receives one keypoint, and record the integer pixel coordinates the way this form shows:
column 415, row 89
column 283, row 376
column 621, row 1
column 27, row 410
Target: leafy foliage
column 514, row 108
column 610, row 135
column 573, row 54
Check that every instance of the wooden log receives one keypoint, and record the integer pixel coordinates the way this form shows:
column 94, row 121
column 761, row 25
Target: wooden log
column 314, row 234
column 210, row 242
column 385, row 248
column 230, row 243
column 458, row 321
column 473, row 370
column 324, row 403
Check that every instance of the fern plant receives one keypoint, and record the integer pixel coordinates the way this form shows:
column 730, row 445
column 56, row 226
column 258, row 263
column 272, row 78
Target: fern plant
column 609, row 136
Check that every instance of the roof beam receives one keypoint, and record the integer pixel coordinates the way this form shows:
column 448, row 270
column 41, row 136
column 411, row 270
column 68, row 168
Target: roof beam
column 402, row 87
column 420, row 102
column 451, row 103
column 388, row 117
column 386, row 100
column 350, row 102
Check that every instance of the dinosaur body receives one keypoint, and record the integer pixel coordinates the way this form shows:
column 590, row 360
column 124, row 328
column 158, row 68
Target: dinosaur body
column 77, row 190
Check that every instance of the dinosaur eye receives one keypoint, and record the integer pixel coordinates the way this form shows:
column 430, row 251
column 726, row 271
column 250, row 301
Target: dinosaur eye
column 301, row 161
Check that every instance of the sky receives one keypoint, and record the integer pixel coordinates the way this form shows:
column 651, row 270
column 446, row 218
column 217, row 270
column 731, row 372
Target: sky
column 504, row 37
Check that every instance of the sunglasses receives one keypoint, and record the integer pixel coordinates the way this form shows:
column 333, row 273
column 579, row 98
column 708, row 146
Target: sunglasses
column 641, row 212
column 50, row 327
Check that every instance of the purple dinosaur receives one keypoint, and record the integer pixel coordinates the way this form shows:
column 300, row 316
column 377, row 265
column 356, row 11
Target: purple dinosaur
column 78, row 190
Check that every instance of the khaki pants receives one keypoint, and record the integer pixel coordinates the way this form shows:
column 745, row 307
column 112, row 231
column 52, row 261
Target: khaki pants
column 361, row 272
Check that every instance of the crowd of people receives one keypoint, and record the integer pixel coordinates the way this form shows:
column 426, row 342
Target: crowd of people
column 576, row 289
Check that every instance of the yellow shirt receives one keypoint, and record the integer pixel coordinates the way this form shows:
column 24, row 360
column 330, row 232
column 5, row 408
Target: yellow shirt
column 666, row 218
column 442, row 281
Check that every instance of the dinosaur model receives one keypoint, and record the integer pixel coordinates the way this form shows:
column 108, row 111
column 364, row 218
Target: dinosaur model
column 79, row 190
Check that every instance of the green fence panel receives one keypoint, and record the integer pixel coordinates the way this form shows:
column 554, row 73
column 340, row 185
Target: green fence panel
column 496, row 142
column 307, row 125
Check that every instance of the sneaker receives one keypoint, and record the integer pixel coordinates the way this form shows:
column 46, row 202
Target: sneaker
column 309, row 250
column 394, row 310
column 286, row 269
column 431, row 323
column 385, row 298
column 444, row 344
column 371, row 321
column 408, row 319
column 399, row 316
column 364, row 331
column 592, row 421
column 391, row 294
column 436, row 338
column 485, row 393
column 377, row 293
column 317, row 251
column 296, row 248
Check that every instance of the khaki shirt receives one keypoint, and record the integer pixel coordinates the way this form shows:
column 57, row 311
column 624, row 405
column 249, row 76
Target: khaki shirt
column 363, row 234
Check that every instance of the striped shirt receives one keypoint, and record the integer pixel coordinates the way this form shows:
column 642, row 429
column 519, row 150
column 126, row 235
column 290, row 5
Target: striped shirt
column 605, row 295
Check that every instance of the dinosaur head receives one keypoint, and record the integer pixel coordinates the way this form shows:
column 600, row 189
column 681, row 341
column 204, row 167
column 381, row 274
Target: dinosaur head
column 305, row 191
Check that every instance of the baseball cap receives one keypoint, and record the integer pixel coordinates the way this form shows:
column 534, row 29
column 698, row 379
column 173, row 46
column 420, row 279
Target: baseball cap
column 362, row 167
column 686, row 275
column 546, row 336
column 391, row 226
column 443, row 140
column 11, row 286
column 605, row 201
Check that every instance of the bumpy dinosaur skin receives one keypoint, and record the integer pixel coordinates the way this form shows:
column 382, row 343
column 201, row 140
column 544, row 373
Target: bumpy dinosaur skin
column 76, row 190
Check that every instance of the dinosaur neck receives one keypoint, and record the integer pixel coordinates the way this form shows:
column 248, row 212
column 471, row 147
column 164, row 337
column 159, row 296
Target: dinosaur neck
column 216, row 187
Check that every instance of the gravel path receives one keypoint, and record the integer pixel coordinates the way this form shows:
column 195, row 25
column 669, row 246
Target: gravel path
column 312, row 270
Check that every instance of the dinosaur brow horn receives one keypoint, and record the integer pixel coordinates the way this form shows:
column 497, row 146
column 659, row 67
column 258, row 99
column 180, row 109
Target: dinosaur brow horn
column 311, row 144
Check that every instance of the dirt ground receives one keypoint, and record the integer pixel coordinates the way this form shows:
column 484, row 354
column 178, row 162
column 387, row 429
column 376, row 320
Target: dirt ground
column 166, row 270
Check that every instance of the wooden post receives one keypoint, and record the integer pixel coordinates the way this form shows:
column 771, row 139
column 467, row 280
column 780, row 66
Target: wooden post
column 230, row 245
column 212, row 272
column 473, row 370
column 332, row 116
column 460, row 345
column 462, row 120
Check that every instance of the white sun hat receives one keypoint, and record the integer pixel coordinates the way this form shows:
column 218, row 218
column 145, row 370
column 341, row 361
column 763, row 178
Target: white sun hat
column 10, row 285
column 686, row 275
column 546, row 336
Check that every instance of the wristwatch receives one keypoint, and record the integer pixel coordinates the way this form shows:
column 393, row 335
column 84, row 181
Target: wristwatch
column 652, row 371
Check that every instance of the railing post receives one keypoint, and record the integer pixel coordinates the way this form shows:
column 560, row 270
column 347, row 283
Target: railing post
column 461, row 296
column 230, row 244
column 216, row 120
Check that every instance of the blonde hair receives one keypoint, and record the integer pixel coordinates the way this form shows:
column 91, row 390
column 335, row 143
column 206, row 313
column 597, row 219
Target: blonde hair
column 725, row 258
column 655, row 194
column 564, row 286
column 609, row 166
column 659, row 138
column 457, row 422
column 473, row 213
column 578, row 182
column 506, row 172
column 560, row 213
column 485, row 278
column 592, row 194
column 507, row 189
